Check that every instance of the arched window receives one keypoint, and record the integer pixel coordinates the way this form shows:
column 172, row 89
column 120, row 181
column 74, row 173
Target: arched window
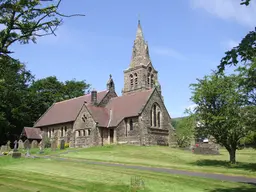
column 131, row 80
column 61, row 132
column 154, row 111
column 148, row 78
column 151, row 121
column 131, row 125
column 158, row 118
column 84, row 133
column 136, row 79
column 155, row 116
column 152, row 81
column 65, row 130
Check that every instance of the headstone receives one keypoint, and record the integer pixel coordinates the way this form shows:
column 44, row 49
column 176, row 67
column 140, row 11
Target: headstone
column 15, row 146
column 27, row 147
column 20, row 144
column 41, row 147
column 54, row 142
column 15, row 153
column 34, row 144
column 8, row 145
column 3, row 148
column 62, row 144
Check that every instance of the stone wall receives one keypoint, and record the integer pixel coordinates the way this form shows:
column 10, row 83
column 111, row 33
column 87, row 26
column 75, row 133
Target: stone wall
column 149, row 133
column 61, row 129
column 142, row 72
column 125, row 134
column 85, row 132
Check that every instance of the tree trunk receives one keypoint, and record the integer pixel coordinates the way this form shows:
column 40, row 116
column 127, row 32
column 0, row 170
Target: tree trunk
column 232, row 155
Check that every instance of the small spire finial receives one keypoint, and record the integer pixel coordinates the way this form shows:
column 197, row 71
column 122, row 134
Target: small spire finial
column 138, row 18
column 110, row 76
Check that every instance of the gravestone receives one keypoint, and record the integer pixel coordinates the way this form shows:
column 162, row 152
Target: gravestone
column 15, row 146
column 62, row 144
column 40, row 145
column 206, row 149
column 20, row 144
column 54, row 142
column 15, row 153
column 3, row 148
column 8, row 145
column 27, row 146
column 34, row 144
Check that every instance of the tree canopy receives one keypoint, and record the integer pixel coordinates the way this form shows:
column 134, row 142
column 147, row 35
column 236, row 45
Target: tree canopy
column 23, row 98
column 26, row 20
column 222, row 110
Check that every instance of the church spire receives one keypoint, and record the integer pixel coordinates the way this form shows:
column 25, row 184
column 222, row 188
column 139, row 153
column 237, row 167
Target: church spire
column 140, row 54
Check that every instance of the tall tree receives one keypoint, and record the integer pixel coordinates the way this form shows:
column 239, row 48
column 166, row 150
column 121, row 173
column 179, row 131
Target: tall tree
column 222, row 111
column 244, row 56
column 15, row 110
column 25, row 20
column 48, row 90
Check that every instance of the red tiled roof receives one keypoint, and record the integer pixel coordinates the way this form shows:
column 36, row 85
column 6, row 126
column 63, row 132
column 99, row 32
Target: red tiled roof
column 66, row 111
column 32, row 133
column 126, row 106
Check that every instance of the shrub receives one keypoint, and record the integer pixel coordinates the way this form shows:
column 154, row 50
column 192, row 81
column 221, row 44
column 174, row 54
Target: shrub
column 47, row 143
column 66, row 145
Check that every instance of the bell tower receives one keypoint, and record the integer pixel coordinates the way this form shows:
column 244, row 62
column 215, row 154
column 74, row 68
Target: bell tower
column 141, row 74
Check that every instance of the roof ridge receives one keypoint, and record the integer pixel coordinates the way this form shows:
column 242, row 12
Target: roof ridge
column 131, row 94
column 78, row 97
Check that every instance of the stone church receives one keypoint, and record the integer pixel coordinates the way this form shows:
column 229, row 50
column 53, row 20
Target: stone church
column 138, row 116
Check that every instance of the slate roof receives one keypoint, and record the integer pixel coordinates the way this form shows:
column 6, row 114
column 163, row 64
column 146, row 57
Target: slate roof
column 66, row 111
column 127, row 106
column 116, row 110
column 32, row 133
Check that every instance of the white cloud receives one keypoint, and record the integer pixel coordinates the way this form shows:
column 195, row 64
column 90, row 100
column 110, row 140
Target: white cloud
column 229, row 10
column 168, row 52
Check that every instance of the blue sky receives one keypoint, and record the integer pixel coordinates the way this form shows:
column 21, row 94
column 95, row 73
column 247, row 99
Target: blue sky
column 186, row 38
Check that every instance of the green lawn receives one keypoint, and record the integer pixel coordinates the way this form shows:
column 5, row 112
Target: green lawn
column 171, row 158
column 46, row 175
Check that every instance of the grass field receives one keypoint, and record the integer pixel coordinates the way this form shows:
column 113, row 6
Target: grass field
column 44, row 175
column 171, row 158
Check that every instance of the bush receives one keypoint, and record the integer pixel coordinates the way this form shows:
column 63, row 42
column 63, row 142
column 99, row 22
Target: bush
column 65, row 146
column 47, row 143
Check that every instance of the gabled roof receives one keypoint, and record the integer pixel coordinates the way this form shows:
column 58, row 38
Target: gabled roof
column 32, row 133
column 66, row 111
column 99, row 114
column 127, row 106
column 115, row 111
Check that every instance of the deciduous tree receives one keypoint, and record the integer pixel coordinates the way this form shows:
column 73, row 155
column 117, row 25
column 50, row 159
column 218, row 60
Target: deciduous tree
column 25, row 20
column 221, row 108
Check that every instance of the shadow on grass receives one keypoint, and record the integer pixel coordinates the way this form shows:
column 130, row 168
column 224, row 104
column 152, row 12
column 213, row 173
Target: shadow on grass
column 218, row 163
column 236, row 189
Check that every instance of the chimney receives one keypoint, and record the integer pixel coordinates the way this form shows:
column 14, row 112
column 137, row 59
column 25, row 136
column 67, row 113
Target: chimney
column 94, row 97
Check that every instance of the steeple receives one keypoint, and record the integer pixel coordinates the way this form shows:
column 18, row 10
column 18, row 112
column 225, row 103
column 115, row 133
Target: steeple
column 140, row 53
column 141, row 74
